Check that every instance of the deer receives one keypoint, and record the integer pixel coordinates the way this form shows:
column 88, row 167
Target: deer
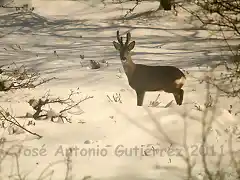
column 143, row 78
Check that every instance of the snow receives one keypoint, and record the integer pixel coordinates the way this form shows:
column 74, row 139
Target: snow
column 74, row 28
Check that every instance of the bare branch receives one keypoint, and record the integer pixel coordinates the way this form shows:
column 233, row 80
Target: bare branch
column 6, row 116
column 39, row 104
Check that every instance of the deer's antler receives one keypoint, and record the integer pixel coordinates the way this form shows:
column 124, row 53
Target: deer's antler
column 128, row 38
column 120, row 40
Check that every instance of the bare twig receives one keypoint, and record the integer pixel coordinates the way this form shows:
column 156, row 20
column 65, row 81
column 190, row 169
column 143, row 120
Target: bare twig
column 68, row 175
column 40, row 103
column 4, row 115
column 20, row 77
column 115, row 98
column 132, row 9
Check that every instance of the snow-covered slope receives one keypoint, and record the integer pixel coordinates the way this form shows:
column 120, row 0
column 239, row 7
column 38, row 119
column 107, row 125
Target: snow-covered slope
column 74, row 28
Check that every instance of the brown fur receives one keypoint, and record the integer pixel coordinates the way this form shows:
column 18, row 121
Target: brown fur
column 144, row 78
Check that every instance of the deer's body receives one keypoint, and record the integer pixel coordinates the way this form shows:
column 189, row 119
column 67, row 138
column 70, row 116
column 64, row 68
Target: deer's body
column 144, row 78
column 154, row 78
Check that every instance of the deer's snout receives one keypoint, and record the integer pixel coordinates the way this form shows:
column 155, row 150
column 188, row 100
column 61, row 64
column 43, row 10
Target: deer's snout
column 123, row 58
column 123, row 55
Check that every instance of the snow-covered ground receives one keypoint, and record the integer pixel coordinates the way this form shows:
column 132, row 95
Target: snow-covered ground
column 74, row 28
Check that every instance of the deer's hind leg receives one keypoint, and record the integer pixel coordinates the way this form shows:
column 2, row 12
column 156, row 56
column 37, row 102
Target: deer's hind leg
column 140, row 97
column 181, row 96
column 178, row 95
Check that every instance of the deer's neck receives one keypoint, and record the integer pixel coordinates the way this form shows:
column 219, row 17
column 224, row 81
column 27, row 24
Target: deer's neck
column 129, row 67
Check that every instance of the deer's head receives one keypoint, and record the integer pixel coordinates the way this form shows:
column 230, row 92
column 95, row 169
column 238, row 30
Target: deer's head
column 124, row 49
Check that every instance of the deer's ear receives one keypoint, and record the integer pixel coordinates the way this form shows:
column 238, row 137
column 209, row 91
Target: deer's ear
column 131, row 45
column 116, row 45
